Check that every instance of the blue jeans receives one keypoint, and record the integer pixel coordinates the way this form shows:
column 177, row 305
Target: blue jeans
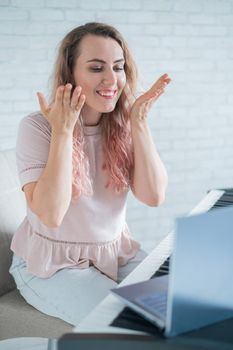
column 70, row 294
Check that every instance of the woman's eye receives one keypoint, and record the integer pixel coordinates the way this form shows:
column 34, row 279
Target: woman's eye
column 96, row 69
column 99, row 69
column 119, row 68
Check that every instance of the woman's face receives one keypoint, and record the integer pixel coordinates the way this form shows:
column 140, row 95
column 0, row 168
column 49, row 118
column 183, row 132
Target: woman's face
column 99, row 70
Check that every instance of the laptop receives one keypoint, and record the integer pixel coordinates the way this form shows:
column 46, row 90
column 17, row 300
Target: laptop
column 198, row 290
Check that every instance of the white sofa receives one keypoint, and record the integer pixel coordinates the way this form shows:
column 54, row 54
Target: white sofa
column 17, row 318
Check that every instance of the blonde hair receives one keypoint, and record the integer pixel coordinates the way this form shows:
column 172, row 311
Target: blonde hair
column 117, row 141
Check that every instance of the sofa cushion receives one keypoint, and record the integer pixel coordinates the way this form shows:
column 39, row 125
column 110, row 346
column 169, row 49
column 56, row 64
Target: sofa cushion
column 19, row 319
column 12, row 213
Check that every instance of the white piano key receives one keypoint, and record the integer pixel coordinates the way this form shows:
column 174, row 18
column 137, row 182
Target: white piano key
column 207, row 202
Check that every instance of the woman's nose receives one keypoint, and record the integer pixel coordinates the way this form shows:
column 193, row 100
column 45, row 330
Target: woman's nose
column 109, row 77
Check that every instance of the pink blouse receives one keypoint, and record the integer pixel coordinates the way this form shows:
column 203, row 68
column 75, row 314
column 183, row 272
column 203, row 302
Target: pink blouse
column 94, row 229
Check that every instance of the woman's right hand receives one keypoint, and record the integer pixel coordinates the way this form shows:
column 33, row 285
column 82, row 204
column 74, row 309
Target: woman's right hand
column 65, row 110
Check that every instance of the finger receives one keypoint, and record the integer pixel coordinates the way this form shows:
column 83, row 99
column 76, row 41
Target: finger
column 159, row 85
column 66, row 96
column 75, row 96
column 165, row 78
column 152, row 92
column 154, row 97
column 80, row 103
column 43, row 103
column 162, row 82
column 145, row 106
column 156, row 92
column 59, row 94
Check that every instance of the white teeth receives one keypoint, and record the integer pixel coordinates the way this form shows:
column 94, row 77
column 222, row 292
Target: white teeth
column 106, row 93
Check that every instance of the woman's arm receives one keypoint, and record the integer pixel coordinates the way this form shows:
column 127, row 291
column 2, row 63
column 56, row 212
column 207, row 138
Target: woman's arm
column 149, row 177
column 52, row 193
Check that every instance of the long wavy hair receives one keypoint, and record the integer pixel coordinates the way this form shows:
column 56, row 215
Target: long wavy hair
column 115, row 126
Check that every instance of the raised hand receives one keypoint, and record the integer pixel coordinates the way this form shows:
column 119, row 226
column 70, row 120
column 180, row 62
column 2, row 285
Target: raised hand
column 63, row 113
column 143, row 103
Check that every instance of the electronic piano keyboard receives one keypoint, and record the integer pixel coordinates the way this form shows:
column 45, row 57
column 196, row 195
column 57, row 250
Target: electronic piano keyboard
column 156, row 263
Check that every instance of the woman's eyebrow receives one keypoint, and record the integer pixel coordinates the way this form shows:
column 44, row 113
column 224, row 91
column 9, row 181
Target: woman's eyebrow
column 101, row 61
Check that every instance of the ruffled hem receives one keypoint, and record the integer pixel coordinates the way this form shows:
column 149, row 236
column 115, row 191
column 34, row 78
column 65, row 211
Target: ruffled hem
column 52, row 255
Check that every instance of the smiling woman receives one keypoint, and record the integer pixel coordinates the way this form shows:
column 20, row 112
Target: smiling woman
column 102, row 77
column 77, row 159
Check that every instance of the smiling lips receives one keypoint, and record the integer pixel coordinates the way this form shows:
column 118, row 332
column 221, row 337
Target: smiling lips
column 107, row 94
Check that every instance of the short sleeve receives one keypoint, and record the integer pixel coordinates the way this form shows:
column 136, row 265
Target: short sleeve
column 32, row 147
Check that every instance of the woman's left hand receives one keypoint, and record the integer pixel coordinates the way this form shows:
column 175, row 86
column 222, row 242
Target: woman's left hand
column 143, row 103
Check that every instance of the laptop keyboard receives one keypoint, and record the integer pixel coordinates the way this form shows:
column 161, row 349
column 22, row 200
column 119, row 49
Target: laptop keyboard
column 156, row 303
column 129, row 319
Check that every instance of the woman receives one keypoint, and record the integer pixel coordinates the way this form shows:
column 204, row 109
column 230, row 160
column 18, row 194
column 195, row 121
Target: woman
column 77, row 159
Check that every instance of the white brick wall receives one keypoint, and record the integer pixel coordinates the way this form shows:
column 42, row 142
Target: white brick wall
column 191, row 124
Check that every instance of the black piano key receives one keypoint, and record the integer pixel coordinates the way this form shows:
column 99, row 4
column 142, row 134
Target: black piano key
column 227, row 197
column 166, row 264
column 225, row 200
column 226, row 190
column 163, row 269
column 222, row 204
